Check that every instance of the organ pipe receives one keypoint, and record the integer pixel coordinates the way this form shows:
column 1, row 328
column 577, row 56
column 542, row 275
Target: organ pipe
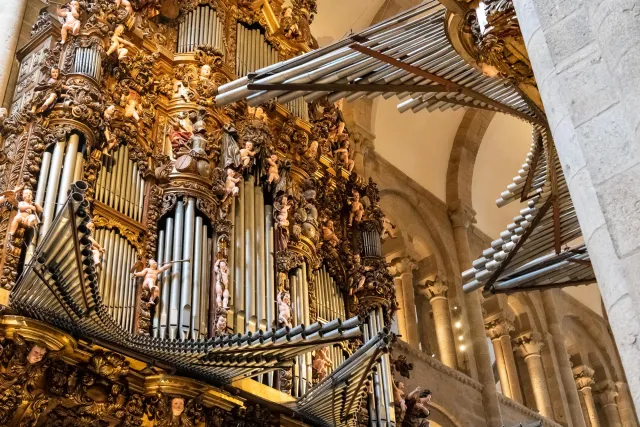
column 52, row 186
column 187, row 268
column 201, row 26
column 174, row 299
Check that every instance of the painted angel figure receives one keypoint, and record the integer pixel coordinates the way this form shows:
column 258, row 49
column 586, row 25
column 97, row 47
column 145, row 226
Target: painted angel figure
column 132, row 108
column 222, row 284
column 246, row 154
column 231, row 184
column 221, row 325
column 329, row 235
column 281, row 219
column 320, row 362
column 343, row 156
column 417, row 408
column 399, row 395
column 357, row 209
column 25, row 359
column 175, row 411
column 312, row 152
column 118, row 43
column 126, row 4
column 179, row 136
column 284, row 308
column 150, row 275
column 27, row 216
column 272, row 173
column 71, row 16
column 51, row 91
column 97, row 251
column 358, row 275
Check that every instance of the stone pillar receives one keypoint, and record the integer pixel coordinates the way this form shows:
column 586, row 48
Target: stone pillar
column 436, row 292
column 584, row 56
column 584, row 383
column 461, row 217
column 11, row 16
column 607, row 395
column 403, row 268
column 564, row 364
column 402, row 326
column 498, row 328
column 529, row 345
column 625, row 405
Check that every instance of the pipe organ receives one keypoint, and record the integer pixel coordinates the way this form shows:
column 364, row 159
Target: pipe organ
column 253, row 51
column 205, row 224
column 200, row 27
column 120, row 186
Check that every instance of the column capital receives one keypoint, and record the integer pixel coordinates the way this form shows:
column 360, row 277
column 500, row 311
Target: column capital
column 529, row 344
column 432, row 289
column 499, row 325
column 402, row 265
column 583, row 375
column 607, row 393
column 461, row 214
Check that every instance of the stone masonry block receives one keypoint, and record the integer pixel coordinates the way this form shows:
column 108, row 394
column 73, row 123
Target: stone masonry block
column 568, row 36
column 551, row 12
column 620, row 200
column 586, row 202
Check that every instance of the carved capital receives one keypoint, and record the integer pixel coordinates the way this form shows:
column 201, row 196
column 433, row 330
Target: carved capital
column 433, row 289
column 584, row 376
column 607, row 393
column 402, row 265
column 529, row 344
column 461, row 215
column 499, row 325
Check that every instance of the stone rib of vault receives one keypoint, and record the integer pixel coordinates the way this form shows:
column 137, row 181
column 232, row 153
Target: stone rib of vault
column 60, row 286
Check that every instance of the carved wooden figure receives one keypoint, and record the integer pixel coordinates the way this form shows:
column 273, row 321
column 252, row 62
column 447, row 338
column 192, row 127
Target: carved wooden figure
column 118, row 43
column 222, row 284
column 320, row 362
column 284, row 308
column 357, row 209
column 273, row 175
column 231, row 184
column 27, row 216
column 50, row 91
column 329, row 235
column 71, row 15
column 150, row 275
column 126, row 4
column 96, row 249
column 246, row 155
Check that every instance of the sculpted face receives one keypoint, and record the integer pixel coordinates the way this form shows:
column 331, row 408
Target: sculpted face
column 223, row 266
column 205, row 71
column 36, row 354
column 55, row 73
column 153, row 264
column 249, row 145
column 177, row 406
column 286, row 299
column 27, row 195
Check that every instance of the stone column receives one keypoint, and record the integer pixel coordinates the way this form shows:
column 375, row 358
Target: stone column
column 498, row 328
column 607, row 395
column 11, row 16
column 584, row 383
column 403, row 268
column 625, row 405
column 529, row 345
column 402, row 326
column 436, row 292
column 461, row 217
column 584, row 56
column 564, row 364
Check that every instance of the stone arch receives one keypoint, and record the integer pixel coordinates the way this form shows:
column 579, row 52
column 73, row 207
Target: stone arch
column 585, row 345
column 463, row 155
column 440, row 416
column 527, row 318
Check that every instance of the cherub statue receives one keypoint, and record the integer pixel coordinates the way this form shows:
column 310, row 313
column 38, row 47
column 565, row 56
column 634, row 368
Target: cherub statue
column 150, row 275
column 246, row 155
column 132, row 108
column 399, row 397
column 388, row 229
column 358, row 274
column 118, row 43
column 272, row 173
column 320, row 362
column 329, row 235
column 284, row 308
column 288, row 23
column 205, row 72
column 71, row 15
column 231, row 184
column 175, row 411
column 222, row 284
column 27, row 216
column 96, row 249
column 126, row 4
column 282, row 211
column 52, row 89
column 312, row 152
column 221, row 324
column 357, row 209
column 25, row 360
column 111, row 140
column 343, row 156
column 417, row 410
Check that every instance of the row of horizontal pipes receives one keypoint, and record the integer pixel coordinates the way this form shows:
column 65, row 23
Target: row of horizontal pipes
column 200, row 27
column 87, row 61
column 121, row 186
column 116, row 287
column 181, row 311
column 252, row 50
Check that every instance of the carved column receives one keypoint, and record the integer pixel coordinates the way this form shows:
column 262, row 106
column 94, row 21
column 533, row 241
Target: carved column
column 403, row 268
column 11, row 15
column 529, row 345
column 436, row 292
column 498, row 328
column 461, row 218
column 625, row 405
column 400, row 320
column 607, row 395
column 584, row 382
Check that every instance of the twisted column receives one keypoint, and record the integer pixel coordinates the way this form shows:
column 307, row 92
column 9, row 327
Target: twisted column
column 607, row 395
column 462, row 217
column 529, row 345
column 403, row 268
column 498, row 328
column 436, row 292
column 584, row 382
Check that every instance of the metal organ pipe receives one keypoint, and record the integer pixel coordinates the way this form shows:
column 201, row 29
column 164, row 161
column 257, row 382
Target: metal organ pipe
column 201, row 26
column 166, row 280
column 197, row 279
column 160, row 305
column 187, row 268
column 261, row 271
column 174, row 300
column 239, row 277
column 52, row 186
column 249, row 262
